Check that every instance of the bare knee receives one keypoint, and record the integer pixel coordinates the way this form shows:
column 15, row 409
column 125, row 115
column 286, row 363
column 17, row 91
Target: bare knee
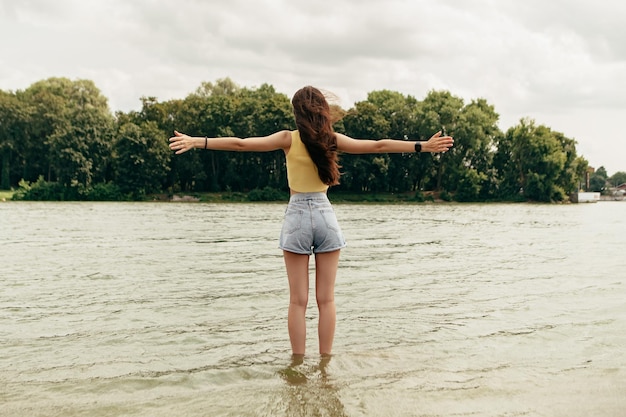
column 324, row 295
column 299, row 300
column 324, row 300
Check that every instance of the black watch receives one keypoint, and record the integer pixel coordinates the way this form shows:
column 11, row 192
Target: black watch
column 418, row 147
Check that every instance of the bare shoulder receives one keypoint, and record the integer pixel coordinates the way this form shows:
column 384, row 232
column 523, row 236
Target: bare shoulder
column 278, row 140
column 283, row 139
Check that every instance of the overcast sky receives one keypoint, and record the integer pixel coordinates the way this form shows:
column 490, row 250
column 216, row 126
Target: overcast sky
column 559, row 62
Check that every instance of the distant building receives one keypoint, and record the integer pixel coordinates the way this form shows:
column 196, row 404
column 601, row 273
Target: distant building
column 583, row 197
column 619, row 192
column 615, row 193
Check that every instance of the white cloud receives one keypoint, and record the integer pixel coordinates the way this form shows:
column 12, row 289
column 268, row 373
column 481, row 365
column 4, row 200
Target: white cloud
column 560, row 62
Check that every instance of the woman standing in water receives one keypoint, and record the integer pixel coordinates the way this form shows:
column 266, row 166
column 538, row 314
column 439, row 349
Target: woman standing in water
column 310, row 226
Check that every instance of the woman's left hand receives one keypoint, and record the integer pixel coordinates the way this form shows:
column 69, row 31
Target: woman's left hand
column 438, row 143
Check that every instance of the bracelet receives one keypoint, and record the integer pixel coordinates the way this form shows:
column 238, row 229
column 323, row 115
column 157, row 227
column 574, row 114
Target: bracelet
column 418, row 147
column 206, row 141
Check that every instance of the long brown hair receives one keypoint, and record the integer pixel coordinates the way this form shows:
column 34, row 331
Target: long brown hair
column 315, row 124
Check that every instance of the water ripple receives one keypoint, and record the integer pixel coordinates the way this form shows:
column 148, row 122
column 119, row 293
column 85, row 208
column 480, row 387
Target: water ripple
column 443, row 310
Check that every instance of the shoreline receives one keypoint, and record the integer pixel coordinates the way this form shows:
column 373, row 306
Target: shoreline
column 336, row 197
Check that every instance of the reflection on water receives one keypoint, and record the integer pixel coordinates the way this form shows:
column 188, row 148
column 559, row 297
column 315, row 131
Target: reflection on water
column 443, row 310
column 309, row 390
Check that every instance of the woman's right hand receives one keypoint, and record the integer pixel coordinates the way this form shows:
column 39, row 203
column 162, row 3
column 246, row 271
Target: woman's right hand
column 181, row 143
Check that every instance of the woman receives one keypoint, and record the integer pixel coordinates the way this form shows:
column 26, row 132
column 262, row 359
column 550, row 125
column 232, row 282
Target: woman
column 310, row 226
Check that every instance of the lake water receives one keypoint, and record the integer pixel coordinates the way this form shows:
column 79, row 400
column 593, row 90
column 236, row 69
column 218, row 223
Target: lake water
column 179, row 309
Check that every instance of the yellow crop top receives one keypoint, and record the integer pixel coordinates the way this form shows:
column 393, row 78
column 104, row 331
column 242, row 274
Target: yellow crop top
column 302, row 174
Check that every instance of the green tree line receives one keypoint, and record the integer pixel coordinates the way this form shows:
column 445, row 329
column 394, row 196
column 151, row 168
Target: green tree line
column 60, row 141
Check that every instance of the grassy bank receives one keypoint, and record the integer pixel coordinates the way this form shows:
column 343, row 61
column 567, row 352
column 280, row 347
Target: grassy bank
column 334, row 196
column 5, row 195
column 276, row 196
column 239, row 197
column 339, row 197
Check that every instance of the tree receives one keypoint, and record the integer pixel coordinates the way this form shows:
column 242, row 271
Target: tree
column 618, row 178
column 385, row 114
column 598, row 180
column 439, row 110
column 401, row 113
column 14, row 123
column 531, row 159
column 69, row 139
column 602, row 172
column 597, row 183
column 167, row 116
column 364, row 121
column 582, row 168
column 573, row 170
column 222, row 87
column 142, row 158
column 470, row 161
column 208, row 112
column 259, row 112
column 62, row 130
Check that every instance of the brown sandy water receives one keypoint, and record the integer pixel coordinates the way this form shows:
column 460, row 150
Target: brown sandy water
column 110, row 309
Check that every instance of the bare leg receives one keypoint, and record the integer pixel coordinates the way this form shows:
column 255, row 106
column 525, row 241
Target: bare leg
column 325, row 274
column 298, row 275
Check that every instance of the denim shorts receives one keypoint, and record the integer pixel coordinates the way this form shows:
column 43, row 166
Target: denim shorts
column 310, row 225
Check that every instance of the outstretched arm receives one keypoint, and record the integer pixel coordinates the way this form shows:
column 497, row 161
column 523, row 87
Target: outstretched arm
column 280, row 140
column 436, row 143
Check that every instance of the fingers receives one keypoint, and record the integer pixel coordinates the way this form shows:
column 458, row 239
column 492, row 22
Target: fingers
column 177, row 143
column 177, row 136
column 443, row 143
column 178, row 146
